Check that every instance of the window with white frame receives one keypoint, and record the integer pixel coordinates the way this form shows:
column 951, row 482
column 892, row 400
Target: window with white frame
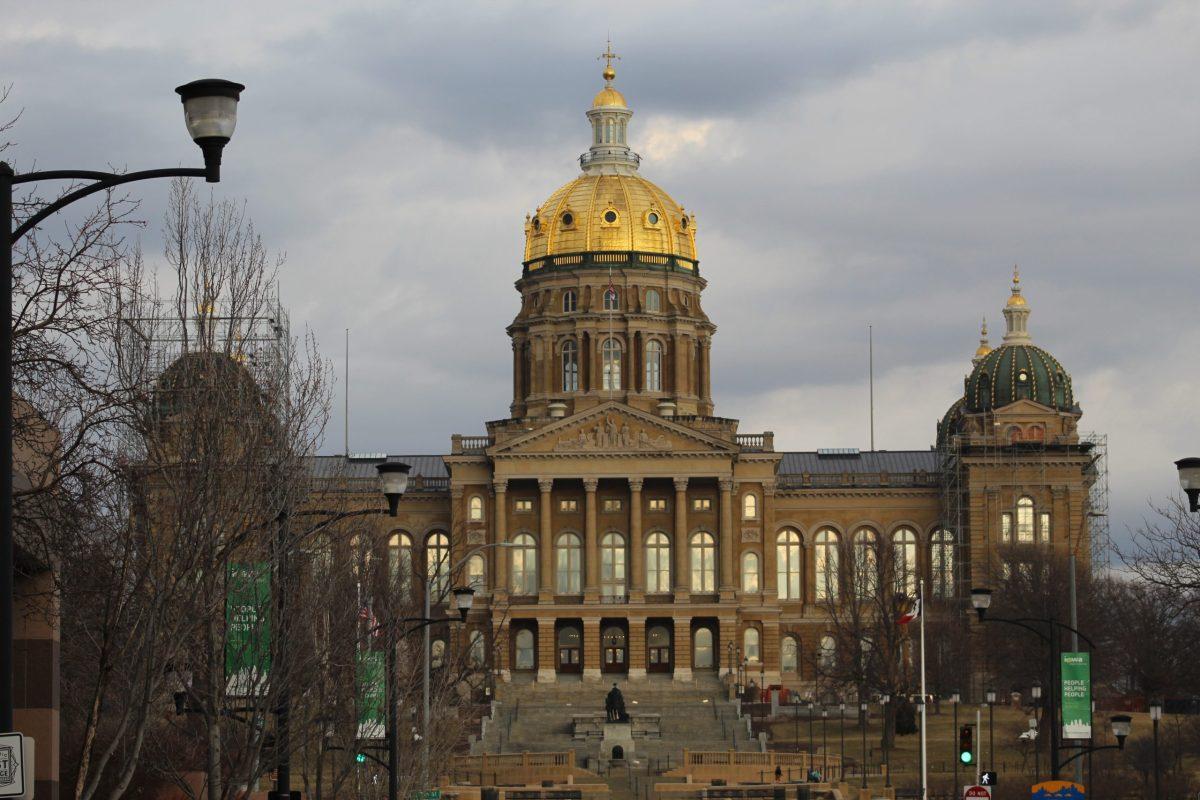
column 750, row 506
column 826, row 554
column 654, row 359
column 1044, row 526
column 904, row 560
column 570, row 302
column 611, row 365
column 570, row 366
column 653, row 300
column 475, row 509
column 751, row 645
column 477, row 572
column 789, row 654
column 400, row 565
column 787, row 564
column 866, row 564
column 658, row 504
column 568, row 564
column 941, row 561
column 1025, row 520
column 704, row 562
column 437, row 564
column 523, row 554
column 612, row 565
column 612, row 301
column 827, row 657
column 1006, row 520
column 702, row 504
column 658, row 563
column 750, row 582
column 525, row 649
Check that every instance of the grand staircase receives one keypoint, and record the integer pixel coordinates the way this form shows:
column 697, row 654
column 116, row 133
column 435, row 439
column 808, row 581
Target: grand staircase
column 537, row 718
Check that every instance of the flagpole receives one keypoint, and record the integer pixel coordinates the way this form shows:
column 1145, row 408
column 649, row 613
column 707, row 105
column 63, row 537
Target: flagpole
column 924, row 754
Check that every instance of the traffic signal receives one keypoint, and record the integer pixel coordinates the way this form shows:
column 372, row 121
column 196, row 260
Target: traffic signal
column 361, row 758
column 966, row 744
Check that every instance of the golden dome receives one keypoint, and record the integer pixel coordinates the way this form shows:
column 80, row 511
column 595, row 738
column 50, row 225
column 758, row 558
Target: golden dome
column 608, row 97
column 1016, row 299
column 622, row 212
column 982, row 351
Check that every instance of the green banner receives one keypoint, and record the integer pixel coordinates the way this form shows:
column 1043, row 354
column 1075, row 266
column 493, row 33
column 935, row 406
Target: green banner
column 247, row 628
column 371, row 694
column 1077, row 695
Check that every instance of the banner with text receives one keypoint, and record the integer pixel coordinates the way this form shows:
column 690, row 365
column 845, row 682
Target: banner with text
column 1077, row 695
column 247, row 629
column 371, row 694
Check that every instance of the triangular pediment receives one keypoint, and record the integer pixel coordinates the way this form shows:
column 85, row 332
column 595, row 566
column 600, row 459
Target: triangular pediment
column 1023, row 408
column 613, row 428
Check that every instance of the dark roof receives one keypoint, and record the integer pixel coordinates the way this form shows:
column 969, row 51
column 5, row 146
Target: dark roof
column 364, row 467
column 816, row 462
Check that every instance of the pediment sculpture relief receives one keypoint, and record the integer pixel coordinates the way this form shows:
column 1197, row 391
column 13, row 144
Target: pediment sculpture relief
column 613, row 434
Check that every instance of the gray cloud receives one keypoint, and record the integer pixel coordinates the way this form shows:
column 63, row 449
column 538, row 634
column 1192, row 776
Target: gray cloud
column 883, row 164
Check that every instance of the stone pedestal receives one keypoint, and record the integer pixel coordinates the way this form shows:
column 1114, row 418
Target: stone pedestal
column 683, row 674
column 617, row 735
column 637, row 674
column 546, row 676
column 591, row 674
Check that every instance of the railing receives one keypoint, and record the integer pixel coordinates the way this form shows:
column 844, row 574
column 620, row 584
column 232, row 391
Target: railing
column 633, row 258
column 744, row 767
column 460, row 444
column 421, row 483
column 614, row 599
column 756, row 442
column 856, row 480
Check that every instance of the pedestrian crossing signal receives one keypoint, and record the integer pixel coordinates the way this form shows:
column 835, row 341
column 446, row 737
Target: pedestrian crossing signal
column 966, row 744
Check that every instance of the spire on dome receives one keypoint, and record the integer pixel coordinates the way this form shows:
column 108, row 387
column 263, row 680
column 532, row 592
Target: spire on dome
column 609, row 115
column 1016, row 312
column 984, row 347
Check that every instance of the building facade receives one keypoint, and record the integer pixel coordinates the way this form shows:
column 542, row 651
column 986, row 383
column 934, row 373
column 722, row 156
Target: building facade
column 614, row 524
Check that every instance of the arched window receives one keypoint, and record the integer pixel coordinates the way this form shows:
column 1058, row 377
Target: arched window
column 621, row 133
column 789, row 654
column 941, row 560
column 570, row 366
column 612, row 565
column 524, row 565
column 658, row 563
column 596, row 132
column 475, row 509
column 568, row 564
column 904, row 561
column 1044, row 526
column 787, row 564
column 612, row 301
column 1025, row 519
column 827, row 565
column 525, row 649
column 704, row 563
column 654, row 353
column 1006, row 526
column 750, row 581
column 437, row 564
column 477, row 572
column 608, row 130
column 400, row 566
column 477, row 650
column 750, row 645
column 827, row 658
column 612, row 365
column 703, row 649
column 750, row 506
column 570, row 301
column 866, row 564
column 437, row 654
column 653, row 300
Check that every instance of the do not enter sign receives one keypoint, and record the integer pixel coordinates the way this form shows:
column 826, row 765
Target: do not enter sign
column 983, row 792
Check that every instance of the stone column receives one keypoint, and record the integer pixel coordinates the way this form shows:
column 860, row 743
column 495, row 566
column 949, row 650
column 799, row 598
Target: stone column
column 683, row 649
column 637, row 648
column 706, row 361
column 547, row 652
column 591, row 547
column 679, row 359
column 681, row 542
column 518, row 387
column 545, row 543
column 637, row 550
column 500, row 554
column 591, row 649
column 728, row 577
column 768, row 541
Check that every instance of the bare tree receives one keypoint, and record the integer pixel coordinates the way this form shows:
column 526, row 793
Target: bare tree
column 1165, row 551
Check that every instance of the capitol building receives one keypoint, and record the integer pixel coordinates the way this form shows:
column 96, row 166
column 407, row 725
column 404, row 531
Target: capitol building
column 644, row 532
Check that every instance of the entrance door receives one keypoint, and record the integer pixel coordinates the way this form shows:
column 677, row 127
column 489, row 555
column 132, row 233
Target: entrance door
column 614, row 645
column 658, row 648
column 570, row 650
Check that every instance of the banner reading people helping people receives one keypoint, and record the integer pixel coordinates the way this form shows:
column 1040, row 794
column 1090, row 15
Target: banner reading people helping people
column 1076, row 695
column 247, row 628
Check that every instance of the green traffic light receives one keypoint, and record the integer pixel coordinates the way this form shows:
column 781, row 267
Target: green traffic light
column 360, row 758
column 965, row 757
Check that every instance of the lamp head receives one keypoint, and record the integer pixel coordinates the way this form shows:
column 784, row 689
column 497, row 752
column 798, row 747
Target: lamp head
column 210, row 112
column 1121, row 725
column 981, row 600
column 1035, row 691
column 393, row 480
column 1189, row 479
column 885, row 698
column 1156, row 709
column 955, row 698
column 464, row 596
column 990, row 696
column 862, row 707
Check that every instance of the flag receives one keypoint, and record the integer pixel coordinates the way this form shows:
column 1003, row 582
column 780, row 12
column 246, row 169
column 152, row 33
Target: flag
column 910, row 609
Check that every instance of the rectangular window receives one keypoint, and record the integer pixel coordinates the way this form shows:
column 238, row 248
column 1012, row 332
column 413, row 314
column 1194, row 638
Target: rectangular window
column 611, row 505
column 569, row 506
column 1006, row 527
column 1044, row 526
column 702, row 504
column 658, row 504
column 523, row 506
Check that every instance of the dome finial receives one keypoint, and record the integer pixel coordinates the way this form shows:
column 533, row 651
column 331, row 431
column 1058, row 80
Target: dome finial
column 984, row 348
column 608, row 55
column 1016, row 312
column 1016, row 299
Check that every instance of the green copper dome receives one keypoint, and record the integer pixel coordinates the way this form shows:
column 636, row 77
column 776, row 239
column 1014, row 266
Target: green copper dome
column 1015, row 372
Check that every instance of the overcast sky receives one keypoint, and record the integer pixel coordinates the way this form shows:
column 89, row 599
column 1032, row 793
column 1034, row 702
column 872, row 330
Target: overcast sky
column 849, row 164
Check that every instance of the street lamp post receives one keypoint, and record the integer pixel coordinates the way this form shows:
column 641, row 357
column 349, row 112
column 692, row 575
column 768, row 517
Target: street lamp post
column 1035, row 692
column 862, row 765
column 1156, row 709
column 954, row 698
column 884, row 700
column 1121, row 725
column 210, row 113
column 811, row 708
column 990, row 696
column 824, row 743
column 1189, row 479
column 842, row 757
